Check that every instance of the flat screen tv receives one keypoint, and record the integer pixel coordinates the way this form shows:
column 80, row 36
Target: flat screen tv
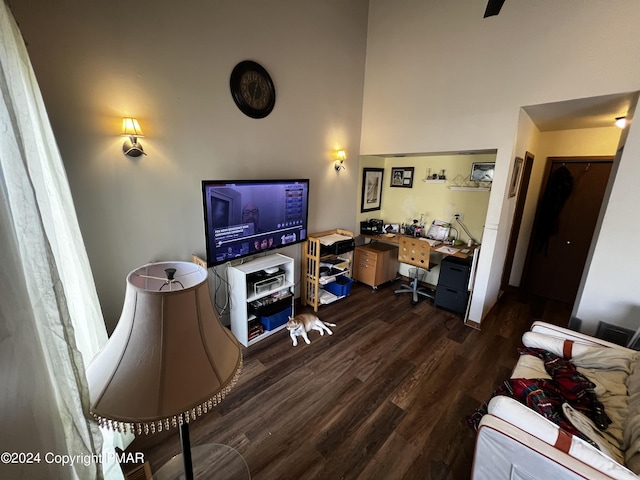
column 245, row 217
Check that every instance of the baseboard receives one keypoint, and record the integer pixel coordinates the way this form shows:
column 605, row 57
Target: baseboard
column 472, row 324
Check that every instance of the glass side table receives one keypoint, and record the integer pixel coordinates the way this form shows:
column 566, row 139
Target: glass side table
column 210, row 461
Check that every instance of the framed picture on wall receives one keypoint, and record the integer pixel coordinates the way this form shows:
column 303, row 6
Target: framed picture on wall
column 402, row 177
column 515, row 177
column 371, row 189
column 482, row 171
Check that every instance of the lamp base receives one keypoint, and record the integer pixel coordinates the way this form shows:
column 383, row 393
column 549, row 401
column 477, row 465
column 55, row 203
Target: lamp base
column 132, row 149
column 186, row 451
column 208, row 460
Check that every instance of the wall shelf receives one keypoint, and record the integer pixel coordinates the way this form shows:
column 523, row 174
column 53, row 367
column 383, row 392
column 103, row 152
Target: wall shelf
column 472, row 189
column 434, row 181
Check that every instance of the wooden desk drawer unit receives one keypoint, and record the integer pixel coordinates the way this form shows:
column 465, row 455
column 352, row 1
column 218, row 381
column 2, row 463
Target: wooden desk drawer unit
column 375, row 263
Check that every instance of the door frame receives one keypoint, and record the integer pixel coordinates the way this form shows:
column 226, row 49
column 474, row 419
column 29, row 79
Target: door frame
column 518, row 214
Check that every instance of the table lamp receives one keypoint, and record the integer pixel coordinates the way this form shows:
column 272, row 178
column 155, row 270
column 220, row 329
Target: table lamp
column 169, row 359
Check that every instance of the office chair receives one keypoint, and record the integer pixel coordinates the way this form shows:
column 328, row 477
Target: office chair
column 415, row 252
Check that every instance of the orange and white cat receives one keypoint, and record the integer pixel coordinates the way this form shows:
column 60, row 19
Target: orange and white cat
column 303, row 323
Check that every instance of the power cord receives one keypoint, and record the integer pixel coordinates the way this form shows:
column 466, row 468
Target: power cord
column 220, row 282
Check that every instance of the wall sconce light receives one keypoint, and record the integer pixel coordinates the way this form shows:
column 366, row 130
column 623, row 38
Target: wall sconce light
column 131, row 128
column 341, row 156
column 621, row 122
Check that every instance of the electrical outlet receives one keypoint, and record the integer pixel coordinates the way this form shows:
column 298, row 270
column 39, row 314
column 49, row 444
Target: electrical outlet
column 458, row 216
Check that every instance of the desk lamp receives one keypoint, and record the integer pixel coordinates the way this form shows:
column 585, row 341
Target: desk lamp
column 169, row 360
column 457, row 217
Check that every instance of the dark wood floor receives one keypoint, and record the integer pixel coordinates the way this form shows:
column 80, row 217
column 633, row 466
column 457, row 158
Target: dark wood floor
column 385, row 397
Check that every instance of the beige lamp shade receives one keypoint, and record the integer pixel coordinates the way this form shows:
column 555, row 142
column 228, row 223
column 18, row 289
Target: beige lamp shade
column 169, row 359
column 131, row 127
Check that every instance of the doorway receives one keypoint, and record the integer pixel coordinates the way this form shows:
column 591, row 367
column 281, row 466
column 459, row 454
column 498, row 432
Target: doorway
column 572, row 193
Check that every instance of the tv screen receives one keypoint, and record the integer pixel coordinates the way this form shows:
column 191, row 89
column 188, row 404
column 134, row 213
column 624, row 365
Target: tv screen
column 245, row 217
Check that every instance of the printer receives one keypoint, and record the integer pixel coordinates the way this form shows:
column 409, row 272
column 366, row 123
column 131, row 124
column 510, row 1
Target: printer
column 338, row 247
column 371, row 227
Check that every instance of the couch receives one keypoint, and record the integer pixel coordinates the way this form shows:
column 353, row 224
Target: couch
column 516, row 442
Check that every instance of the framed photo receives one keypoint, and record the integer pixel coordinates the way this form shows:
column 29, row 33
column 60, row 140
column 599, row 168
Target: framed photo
column 515, row 177
column 482, row 171
column 402, row 177
column 371, row 189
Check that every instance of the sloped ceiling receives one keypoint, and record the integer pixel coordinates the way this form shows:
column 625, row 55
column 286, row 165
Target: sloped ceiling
column 589, row 112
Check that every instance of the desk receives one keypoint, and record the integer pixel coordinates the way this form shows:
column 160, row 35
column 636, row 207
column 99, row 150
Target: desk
column 454, row 287
column 395, row 240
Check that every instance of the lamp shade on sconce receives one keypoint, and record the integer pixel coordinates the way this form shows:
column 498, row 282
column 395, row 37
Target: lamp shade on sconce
column 169, row 359
column 131, row 128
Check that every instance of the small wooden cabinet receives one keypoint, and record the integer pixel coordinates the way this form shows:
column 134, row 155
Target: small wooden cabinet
column 375, row 263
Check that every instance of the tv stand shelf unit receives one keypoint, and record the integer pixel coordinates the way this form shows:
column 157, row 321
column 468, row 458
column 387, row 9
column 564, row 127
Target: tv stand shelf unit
column 244, row 294
column 311, row 259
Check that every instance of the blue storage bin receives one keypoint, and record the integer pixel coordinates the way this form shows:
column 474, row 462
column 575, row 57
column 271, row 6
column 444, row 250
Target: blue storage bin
column 341, row 287
column 271, row 322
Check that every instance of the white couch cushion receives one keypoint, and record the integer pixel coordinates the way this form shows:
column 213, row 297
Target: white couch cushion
column 617, row 382
column 525, row 419
column 583, row 355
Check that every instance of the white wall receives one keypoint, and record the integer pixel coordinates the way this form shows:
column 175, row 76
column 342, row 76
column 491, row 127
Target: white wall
column 168, row 64
column 441, row 78
column 610, row 291
column 527, row 141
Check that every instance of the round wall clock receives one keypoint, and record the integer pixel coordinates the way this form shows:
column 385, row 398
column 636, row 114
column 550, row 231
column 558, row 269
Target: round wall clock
column 252, row 89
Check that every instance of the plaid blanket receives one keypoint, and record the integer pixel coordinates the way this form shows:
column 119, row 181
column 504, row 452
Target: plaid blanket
column 546, row 396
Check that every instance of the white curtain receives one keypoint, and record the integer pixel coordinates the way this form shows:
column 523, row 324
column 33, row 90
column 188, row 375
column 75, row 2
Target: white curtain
column 50, row 319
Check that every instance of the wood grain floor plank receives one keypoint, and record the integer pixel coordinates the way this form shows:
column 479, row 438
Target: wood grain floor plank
column 384, row 397
column 357, row 450
column 392, row 460
column 356, row 410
